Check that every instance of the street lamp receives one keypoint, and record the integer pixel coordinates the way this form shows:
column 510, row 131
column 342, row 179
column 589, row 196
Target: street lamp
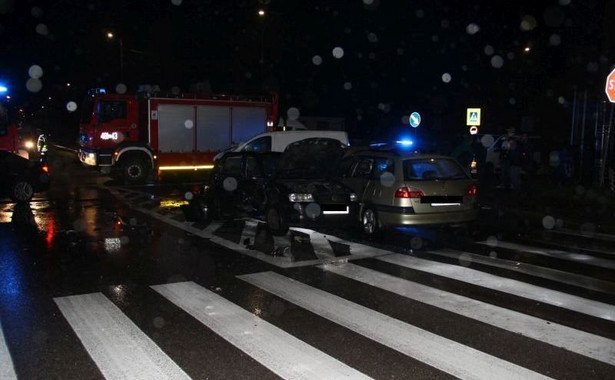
column 111, row 36
column 261, row 14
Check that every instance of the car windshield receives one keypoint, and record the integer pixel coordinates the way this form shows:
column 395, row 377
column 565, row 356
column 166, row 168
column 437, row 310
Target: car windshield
column 311, row 158
column 433, row 169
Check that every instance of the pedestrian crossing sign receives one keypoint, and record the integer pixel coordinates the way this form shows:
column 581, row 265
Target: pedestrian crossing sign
column 473, row 117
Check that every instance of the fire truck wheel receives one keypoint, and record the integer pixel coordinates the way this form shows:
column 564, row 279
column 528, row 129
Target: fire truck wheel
column 135, row 170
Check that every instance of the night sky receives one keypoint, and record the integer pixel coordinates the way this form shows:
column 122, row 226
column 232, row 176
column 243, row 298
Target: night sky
column 371, row 62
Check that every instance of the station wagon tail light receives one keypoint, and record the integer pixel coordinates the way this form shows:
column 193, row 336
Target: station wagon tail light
column 404, row 192
column 471, row 190
column 300, row 197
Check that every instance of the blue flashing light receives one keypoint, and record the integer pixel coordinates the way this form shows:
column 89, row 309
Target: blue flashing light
column 405, row 142
column 3, row 89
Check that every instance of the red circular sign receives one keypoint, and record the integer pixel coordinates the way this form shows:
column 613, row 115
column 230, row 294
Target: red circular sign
column 610, row 86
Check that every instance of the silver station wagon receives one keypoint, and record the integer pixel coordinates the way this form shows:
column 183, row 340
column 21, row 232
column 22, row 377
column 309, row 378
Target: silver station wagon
column 398, row 188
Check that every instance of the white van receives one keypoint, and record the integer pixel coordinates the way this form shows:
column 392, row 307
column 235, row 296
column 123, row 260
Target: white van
column 278, row 141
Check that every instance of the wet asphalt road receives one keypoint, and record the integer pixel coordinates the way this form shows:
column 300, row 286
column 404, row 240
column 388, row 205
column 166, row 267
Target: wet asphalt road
column 80, row 238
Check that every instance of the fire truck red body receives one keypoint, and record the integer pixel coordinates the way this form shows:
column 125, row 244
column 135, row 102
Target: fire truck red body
column 130, row 136
column 9, row 138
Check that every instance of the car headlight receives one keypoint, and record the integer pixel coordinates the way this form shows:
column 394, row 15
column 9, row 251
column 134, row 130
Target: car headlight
column 300, row 197
column 28, row 144
column 353, row 197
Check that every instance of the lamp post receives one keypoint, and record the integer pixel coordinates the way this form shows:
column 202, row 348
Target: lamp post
column 261, row 15
column 111, row 36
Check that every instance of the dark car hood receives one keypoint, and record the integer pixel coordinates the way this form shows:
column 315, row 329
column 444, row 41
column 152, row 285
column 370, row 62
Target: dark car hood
column 312, row 186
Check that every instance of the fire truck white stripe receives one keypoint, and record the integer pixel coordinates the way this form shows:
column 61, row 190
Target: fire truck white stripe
column 114, row 342
column 277, row 350
column 7, row 371
column 505, row 285
column 447, row 355
column 590, row 345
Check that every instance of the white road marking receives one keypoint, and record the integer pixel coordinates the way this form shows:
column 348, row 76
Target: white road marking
column 274, row 348
column 444, row 354
column 556, row 253
column 586, row 344
column 533, row 270
column 505, row 285
column 114, row 342
column 7, row 370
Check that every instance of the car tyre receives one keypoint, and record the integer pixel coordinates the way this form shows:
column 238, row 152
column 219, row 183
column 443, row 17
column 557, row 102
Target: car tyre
column 369, row 223
column 276, row 221
column 22, row 191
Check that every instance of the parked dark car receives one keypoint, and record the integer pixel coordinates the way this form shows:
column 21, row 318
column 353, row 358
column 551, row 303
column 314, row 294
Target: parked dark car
column 20, row 178
column 295, row 188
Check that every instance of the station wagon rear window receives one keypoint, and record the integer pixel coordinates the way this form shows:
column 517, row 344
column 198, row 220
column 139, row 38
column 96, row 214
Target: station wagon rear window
column 433, row 169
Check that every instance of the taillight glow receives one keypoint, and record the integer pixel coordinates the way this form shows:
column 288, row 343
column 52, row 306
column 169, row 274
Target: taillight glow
column 404, row 192
column 471, row 190
column 45, row 168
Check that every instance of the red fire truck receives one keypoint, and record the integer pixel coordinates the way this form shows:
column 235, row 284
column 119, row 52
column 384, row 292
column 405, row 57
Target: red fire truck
column 132, row 136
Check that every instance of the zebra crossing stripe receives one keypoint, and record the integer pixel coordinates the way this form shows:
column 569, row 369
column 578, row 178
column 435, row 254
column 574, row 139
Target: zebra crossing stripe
column 114, row 342
column 7, row 371
column 505, row 285
column 282, row 353
column 533, row 270
column 557, row 254
column 441, row 353
column 580, row 342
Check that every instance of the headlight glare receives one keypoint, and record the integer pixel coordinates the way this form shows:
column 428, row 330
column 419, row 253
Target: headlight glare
column 300, row 197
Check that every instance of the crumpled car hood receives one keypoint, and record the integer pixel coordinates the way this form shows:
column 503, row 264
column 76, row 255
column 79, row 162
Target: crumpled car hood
column 313, row 186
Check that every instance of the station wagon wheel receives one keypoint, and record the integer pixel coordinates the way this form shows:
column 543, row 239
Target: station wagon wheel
column 22, row 191
column 369, row 222
column 276, row 221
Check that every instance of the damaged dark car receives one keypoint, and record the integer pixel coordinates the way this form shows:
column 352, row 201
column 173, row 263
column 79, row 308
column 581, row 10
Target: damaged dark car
column 296, row 188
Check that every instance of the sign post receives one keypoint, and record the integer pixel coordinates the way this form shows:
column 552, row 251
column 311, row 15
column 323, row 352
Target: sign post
column 610, row 86
column 473, row 120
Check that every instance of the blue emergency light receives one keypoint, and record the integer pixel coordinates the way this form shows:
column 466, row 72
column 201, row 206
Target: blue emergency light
column 405, row 142
column 3, row 89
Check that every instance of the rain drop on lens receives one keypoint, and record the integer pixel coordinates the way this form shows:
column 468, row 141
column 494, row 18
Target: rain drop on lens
column 121, row 88
column 188, row 196
column 492, row 241
column 34, row 85
column 230, row 184
column 387, row 179
column 188, row 124
column 71, row 106
column 497, row 61
column 446, row 78
column 338, row 52
column 487, row 140
column 317, row 60
column 312, row 210
column 548, row 222
column 293, row 113
column 35, row 71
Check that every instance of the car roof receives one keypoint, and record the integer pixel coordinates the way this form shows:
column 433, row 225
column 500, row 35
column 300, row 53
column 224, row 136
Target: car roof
column 394, row 153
